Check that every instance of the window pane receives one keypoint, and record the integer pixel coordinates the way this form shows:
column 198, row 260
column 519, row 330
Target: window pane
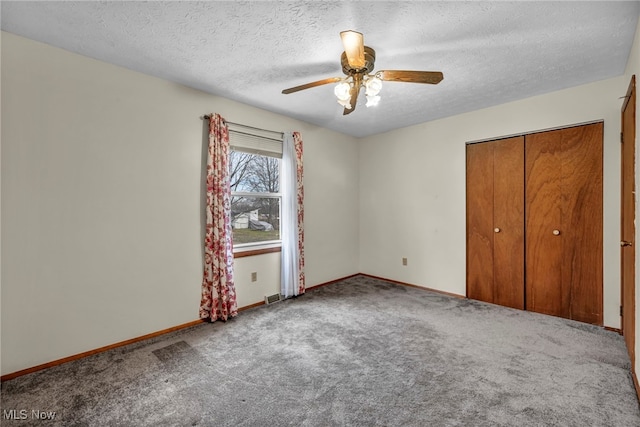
column 254, row 173
column 255, row 219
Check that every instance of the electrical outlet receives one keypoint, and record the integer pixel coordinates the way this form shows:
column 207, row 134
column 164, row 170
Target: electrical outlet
column 254, row 276
column 404, row 261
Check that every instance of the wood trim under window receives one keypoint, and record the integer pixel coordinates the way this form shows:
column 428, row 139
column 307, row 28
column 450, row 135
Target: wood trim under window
column 256, row 252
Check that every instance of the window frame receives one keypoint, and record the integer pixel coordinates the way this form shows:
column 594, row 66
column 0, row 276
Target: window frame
column 268, row 246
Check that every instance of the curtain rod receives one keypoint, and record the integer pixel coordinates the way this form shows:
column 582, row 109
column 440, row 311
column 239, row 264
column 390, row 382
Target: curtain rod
column 207, row 117
column 255, row 136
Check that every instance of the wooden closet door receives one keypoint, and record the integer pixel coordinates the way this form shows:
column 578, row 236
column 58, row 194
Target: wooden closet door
column 564, row 223
column 508, row 220
column 545, row 291
column 480, row 222
column 495, row 209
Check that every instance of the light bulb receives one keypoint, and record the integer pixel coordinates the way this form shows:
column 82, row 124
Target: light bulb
column 342, row 91
column 373, row 86
column 346, row 103
column 372, row 101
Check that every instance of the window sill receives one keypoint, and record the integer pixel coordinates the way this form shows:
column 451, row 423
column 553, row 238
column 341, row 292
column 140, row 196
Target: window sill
column 242, row 254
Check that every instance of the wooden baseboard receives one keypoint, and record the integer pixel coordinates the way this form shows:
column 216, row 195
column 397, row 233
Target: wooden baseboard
column 250, row 306
column 98, row 350
column 608, row 328
column 414, row 286
column 636, row 383
column 310, row 288
column 57, row 362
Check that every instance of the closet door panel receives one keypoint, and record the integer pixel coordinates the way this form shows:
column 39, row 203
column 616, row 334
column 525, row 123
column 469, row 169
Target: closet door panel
column 545, row 291
column 508, row 241
column 582, row 220
column 479, row 222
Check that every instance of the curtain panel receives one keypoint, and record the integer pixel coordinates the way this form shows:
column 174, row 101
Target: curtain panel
column 293, row 279
column 218, row 289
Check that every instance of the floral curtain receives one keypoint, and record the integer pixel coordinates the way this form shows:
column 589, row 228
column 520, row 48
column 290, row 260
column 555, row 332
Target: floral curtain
column 292, row 228
column 218, row 290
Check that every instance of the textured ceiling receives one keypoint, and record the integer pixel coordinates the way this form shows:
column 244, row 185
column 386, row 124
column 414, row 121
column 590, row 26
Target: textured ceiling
column 489, row 52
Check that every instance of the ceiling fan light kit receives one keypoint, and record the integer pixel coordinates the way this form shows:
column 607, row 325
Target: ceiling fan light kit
column 342, row 91
column 357, row 62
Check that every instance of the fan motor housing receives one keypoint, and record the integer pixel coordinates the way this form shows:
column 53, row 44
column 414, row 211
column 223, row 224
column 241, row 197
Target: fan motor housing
column 369, row 62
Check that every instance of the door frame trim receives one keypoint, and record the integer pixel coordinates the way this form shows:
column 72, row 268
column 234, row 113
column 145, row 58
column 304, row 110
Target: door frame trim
column 631, row 351
column 478, row 141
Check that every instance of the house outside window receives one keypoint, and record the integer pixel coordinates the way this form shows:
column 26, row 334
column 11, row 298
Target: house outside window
column 255, row 162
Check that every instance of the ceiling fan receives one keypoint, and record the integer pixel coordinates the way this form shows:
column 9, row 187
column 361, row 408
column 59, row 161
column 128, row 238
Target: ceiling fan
column 357, row 62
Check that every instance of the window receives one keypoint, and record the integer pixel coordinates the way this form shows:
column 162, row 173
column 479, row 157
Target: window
column 255, row 162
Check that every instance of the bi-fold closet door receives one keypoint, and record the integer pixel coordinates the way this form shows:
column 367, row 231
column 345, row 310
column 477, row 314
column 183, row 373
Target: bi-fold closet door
column 534, row 222
column 495, row 222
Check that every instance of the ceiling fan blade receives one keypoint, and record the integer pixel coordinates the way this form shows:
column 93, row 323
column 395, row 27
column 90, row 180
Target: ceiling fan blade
column 312, row 84
column 353, row 42
column 431, row 77
column 348, row 111
column 355, row 90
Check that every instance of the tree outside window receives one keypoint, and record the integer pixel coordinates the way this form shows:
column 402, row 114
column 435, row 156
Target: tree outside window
column 255, row 198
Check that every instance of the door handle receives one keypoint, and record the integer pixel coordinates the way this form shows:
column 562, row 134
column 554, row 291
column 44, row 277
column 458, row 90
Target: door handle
column 624, row 243
column 556, row 232
column 496, row 230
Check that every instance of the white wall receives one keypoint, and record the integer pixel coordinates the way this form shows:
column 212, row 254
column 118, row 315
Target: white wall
column 419, row 172
column 102, row 203
column 633, row 67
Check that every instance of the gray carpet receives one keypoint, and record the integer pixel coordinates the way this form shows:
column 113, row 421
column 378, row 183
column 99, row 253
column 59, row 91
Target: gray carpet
column 361, row 352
